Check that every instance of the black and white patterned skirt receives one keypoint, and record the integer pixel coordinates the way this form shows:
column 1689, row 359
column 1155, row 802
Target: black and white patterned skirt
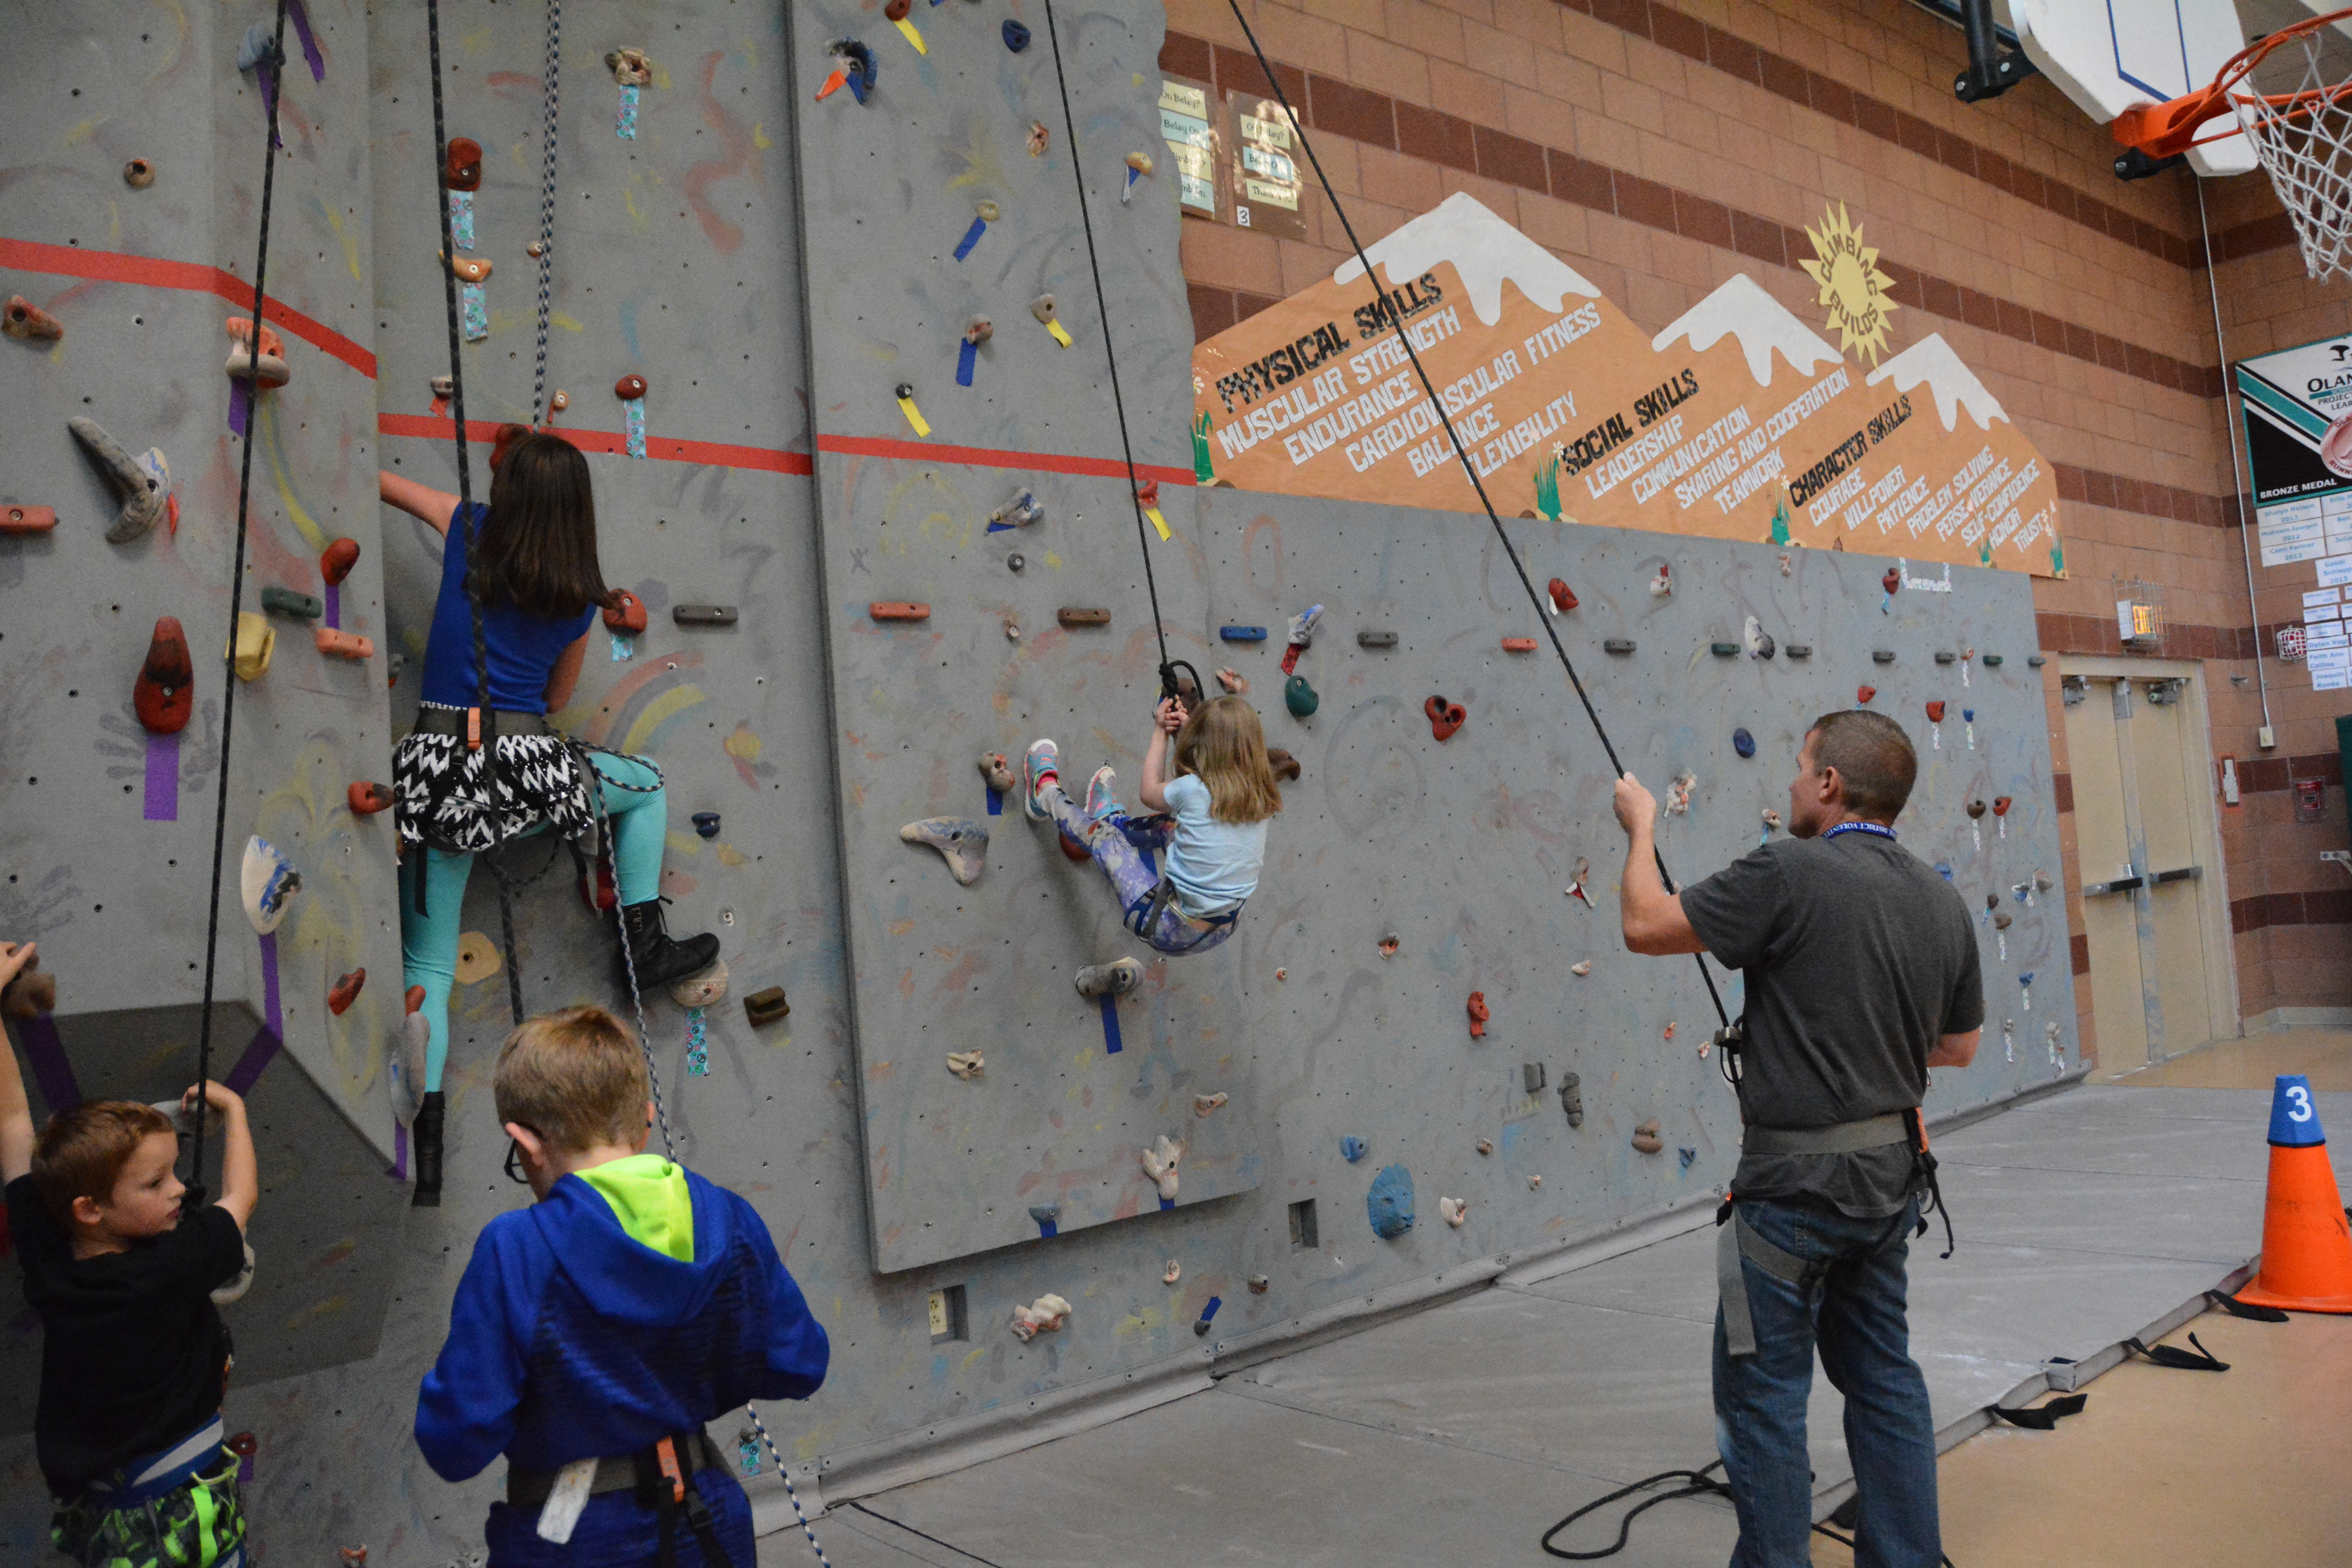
column 439, row 798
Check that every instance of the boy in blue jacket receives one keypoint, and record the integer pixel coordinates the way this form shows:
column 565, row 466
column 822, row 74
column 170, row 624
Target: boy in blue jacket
column 594, row 1333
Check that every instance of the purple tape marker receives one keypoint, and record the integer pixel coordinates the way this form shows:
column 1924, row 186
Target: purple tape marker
column 399, row 1153
column 334, row 606
column 51, row 1070
column 1111, row 1023
column 162, row 778
column 274, row 1019
column 240, row 405
column 296, row 13
column 259, row 1052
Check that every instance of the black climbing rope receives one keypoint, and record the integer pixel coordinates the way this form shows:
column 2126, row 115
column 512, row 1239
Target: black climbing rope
column 465, row 519
column 550, row 103
column 1695, row 1483
column 1168, row 685
column 1396, row 323
column 275, row 65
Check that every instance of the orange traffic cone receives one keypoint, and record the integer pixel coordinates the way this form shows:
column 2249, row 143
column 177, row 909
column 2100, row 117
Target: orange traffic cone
column 2306, row 1242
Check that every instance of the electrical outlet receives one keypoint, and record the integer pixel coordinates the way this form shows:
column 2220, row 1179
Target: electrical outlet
column 2266, row 738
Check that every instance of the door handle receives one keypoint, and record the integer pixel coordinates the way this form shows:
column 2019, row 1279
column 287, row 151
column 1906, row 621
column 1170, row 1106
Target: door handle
column 2120, row 885
column 2177, row 874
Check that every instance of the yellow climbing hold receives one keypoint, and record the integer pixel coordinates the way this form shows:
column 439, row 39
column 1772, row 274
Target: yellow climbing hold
column 477, row 958
column 256, row 639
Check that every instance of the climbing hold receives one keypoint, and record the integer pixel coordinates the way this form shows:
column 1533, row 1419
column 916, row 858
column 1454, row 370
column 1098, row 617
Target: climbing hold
column 1618, row 644
column 1532, row 1077
column 1038, row 138
column 896, row 10
column 962, row 842
column 28, row 323
column 1043, row 1316
column 1534, row 1181
column 1235, row 681
column 2000, row 805
column 256, row 639
column 1072, row 849
column 1456, row 1210
column 702, row 614
column 628, row 387
column 1376, row 639
column 1743, row 742
column 1280, row 763
column 1992, row 661
column 1016, row 36
column 625, row 614
column 139, row 174
column 1664, row 583
column 345, row 991
column 1800, row 650
column 1576, row 887
column 1935, row 712
column 2001, row 919
column 164, row 695
column 1390, row 1203
column 997, row 772
column 1159, row 1162
column 1020, row 511
column 271, row 370
column 1562, row 598
column 1865, row 693
column 1352, row 1148
column 1206, row 1104
column 1299, row 697
column 342, row 644
column 706, row 823
column 967, row 1065
column 761, row 1008
column 1975, row 809
column 559, row 400
column 287, row 602
column 1014, row 561
column 16, row 519
column 1242, row 634
column 1678, row 793
column 1302, row 631
column 461, row 164
column 978, row 330
column 1259, row 1284
column 1723, row 649
column 1444, row 718
column 1082, row 615
column 1688, row 1156
column 2035, row 660
column 1571, row 1099
column 1485, row 1145
column 854, row 67
column 145, row 483
column 268, row 881
column 1669, row 1029
column 630, row 68
column 1772, row 819
column 1113, row 979
column 443, row 388
column 1389, row 945
column 1042, row 307
column 365, row 797
column 1893, row 580
column 1786, row 565
column 1479, row 1014
column 1518, row 645
column 1282, row 975
column 1580, row 968
column 1758, row 640
column 1208, row 1312
column 1945, row 655
column 1881, row 656
column 703, row 989
column 1173, row 1272
column 336, row 561
column 1646, row 1138
column 471, row 269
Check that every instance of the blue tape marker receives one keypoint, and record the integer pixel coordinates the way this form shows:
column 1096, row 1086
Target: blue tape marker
column 1242, row 634
column 995, row 527
column 995, row 801
column 1110, row 1023
column 1167, row 1204
column 1044, row 1227
column 967, row 356
column 1209, row 1311
column 971, row 236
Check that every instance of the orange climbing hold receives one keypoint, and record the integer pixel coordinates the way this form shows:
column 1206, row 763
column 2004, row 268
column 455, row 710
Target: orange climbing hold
column 164, row 695
column 336, row 561
column 271, row 370
column 14, row 518
column 461, row 167
column 1444, row 718
column 366, row 798
column 625, row 614
column 344, row 645
column 345, row 991
column 23, row 320
column 898, row 610
column 1518, row 645
column 1865, row 693
column 1479, row 1014
column 1562, row 599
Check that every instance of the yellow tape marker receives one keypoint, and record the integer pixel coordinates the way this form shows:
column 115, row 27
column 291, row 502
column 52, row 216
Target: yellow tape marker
column 914, row 415
column 907, row 27
column 1060, row 336
column 1160, row 522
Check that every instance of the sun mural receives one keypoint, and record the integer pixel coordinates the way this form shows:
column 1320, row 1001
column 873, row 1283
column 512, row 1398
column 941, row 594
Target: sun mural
column 1852, row 286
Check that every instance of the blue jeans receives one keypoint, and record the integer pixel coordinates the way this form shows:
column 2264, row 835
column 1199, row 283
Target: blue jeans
column 1854, row 1313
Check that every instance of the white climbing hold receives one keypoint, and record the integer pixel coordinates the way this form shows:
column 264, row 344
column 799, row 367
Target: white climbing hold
column 1173, row 1272
column 1159, row 1162
column 1043, row 1316
column 1534, row 1181
column 705, row 988
column 235, row 1289
column 1114, row 978
column 1678, row 793
column 1581, row 969
column 960, row 841
column 269, row 881
column 1485, row 1145
column 1203, row 1104
column 1455, row 1210
column 966, row 1063
column 405, row 1073
column 1664, row 583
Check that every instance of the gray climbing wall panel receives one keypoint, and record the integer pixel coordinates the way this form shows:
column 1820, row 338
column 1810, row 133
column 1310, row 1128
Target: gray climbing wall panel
column 680, row 257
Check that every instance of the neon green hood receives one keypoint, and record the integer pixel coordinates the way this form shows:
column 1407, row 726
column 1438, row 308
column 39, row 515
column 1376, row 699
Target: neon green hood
column 650, row 1198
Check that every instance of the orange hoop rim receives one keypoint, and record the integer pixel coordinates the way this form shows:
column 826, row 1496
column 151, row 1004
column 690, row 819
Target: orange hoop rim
column 2167, row 129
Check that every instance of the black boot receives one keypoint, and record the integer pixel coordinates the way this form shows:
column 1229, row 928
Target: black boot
column 658, row 959
column 425, row 1136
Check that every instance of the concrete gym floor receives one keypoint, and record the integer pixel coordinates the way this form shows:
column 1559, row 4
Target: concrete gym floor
column 1462, row 1433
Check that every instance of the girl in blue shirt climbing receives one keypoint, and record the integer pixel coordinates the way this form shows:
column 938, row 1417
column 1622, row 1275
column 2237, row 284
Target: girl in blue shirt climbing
column 1207, row 772
column 529, row 559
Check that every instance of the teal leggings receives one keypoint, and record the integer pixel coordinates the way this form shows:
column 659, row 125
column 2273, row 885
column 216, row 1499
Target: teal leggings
column 428, row 942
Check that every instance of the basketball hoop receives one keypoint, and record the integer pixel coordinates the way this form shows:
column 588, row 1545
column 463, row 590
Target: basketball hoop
column 2302, row 136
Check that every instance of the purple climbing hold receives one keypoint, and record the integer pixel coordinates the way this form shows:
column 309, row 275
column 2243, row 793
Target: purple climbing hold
column 1743, row 742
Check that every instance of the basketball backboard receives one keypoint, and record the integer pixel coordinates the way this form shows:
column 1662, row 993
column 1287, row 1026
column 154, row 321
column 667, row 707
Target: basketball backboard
column 2108, row 55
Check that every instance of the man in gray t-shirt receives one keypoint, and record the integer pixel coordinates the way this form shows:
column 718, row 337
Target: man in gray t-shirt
column 1862, row 972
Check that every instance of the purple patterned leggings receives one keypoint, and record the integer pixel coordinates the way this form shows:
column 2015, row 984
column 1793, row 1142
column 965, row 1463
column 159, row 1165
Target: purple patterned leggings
column 1124, row 847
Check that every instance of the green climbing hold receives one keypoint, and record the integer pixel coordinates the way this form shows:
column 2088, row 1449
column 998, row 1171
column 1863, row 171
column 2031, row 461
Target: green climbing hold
column 287, row 602
column 1723, row 649
column 1299, row 697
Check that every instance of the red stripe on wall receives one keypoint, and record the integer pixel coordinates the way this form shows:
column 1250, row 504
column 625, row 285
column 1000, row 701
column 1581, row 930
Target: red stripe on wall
column 990, row 457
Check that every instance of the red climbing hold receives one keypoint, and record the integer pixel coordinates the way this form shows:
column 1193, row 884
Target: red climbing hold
column 345, row 991
column 366, row 798
column 1478, row 1015
column 1893, row 580
column 503, row 442
column 1444, row 717
column 165, row 693
column 335, row 561
column 1935, row 712
column 625, row 614
column 23, row 320
column 461, row 169
column 413, row 1000
column 597, row 889
column 16, row 519
column 629, row 387
column 1561, row 598
column 1148, row 494
column 2000, row 806
column 1865, row 693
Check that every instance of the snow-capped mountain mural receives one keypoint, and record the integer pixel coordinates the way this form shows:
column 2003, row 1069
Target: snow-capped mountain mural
column 1953, row 384
column 1761, row 324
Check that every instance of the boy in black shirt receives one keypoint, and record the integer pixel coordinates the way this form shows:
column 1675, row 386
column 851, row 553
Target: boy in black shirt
column 135, row 1357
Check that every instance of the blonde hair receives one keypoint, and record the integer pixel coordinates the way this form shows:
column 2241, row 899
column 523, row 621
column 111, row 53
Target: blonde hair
column 1223, row 745
column 576, row 1077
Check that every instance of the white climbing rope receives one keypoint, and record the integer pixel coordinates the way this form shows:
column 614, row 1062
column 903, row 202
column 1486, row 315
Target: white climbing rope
column 547, row 208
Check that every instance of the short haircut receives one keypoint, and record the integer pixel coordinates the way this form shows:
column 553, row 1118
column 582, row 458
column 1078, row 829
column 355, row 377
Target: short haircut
column 1873, row 756
column 81, row 1152
column 576, row 1077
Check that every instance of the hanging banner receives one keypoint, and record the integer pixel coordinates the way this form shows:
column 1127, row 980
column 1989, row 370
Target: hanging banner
column 1736, row 422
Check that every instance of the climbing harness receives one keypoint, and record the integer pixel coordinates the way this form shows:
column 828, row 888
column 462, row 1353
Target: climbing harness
column 1461, row 448
column 546, row 209
column 1143, row 918
column 235, row 607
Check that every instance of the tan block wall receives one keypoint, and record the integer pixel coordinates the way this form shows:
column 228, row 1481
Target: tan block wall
column 1661, row 147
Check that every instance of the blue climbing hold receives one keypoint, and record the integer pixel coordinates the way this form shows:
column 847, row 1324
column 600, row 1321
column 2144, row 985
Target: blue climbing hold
column 706, row 823
column 1047, row 1216
column 1688, row 1156
column 1944, row 869
column 1016, row 36
column 1967, row 715
column 1352, row 1148
column 1390, row 1203
column 1743, row 742
column 1242, row 634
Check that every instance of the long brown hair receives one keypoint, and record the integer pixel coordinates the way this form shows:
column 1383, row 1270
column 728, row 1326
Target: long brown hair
column 1223, row 745
column 538, row 549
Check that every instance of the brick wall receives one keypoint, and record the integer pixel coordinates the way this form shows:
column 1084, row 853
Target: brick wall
column 1662, row 145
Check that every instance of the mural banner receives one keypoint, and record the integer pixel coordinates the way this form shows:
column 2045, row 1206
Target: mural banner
column 1736, row 422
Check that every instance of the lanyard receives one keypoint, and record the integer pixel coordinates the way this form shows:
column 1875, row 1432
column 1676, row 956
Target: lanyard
column 1881, row 830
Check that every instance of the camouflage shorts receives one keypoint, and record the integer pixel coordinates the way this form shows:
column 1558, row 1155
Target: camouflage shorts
column 198, row 1524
